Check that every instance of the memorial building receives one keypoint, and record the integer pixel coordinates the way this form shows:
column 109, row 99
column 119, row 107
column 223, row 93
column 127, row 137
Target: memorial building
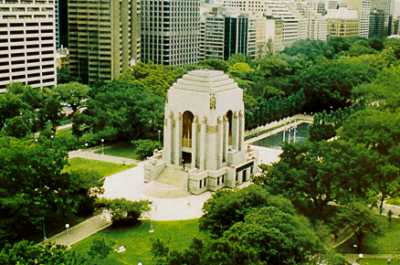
column 204, row 129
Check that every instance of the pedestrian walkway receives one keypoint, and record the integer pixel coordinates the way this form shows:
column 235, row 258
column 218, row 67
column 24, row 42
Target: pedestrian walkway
column 90, row 154
column 354, row 259
column 82, row 230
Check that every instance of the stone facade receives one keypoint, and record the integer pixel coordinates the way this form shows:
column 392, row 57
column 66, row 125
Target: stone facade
column 204, row 131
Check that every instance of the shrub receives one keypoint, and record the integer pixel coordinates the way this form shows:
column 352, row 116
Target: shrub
column 124, row 212
column 145, row 148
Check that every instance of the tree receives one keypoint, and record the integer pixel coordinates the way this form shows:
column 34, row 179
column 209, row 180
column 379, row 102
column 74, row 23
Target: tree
column 122, row 109
column 73, row 94
column 27, row 252
column 328, row 85
column 316, row 173
column 35, row 190
column 124, row 212
column 228, row 207
column 360, row 219
column 380, row 132
column 145, row 148
column 312, row 50
column 266, row 235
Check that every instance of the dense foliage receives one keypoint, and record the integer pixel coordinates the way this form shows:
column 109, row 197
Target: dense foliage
column 124, row 212
column 254, row 228
column 35, row 191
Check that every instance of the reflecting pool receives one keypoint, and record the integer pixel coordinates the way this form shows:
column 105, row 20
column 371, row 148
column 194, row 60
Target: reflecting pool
column 300, row 134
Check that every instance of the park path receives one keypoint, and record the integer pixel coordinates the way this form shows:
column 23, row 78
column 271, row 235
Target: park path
column 90, row 154
column 81, row 231
column 354, row 258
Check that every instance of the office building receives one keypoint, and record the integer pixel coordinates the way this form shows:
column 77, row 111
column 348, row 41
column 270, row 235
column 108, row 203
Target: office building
column 170, row 31
column 27, row 42
column 61, row 24
column 377, row 24
column 363, row 7
column 225, row 32
column 294, row 26
column 343, row 22
column 315, row 23
column 103, row 39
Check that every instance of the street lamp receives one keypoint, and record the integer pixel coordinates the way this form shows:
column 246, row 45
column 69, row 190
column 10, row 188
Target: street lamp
column 102, row 146
column 44, row 228
column 86, row 145
column 67, row 228
column 159, row 136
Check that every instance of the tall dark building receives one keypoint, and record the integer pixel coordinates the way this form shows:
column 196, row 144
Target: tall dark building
column 377, row 24
column 62, row 23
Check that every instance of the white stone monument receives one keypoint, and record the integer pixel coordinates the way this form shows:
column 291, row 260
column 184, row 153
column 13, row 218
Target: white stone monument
column 204, row 134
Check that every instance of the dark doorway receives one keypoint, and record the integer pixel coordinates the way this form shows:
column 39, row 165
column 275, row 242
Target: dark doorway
column 244, row 176
column 186, row 158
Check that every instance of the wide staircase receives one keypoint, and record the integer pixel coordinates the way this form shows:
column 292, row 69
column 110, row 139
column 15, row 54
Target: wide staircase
column 172, row 183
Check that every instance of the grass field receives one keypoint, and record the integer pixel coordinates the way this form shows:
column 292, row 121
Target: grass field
column 138, row 240
column 371, row 261
column 120, row 149
column 104, row 169
column 394, row 201
column 387, row 243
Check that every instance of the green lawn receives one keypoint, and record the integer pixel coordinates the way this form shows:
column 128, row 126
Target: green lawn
column 64, row 132
column 378, row 262
column 138, row 240
column 394, row 201
column 104, row 169
column 120, row 149
column 387, row 243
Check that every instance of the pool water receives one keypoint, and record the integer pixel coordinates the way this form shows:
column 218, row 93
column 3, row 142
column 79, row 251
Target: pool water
column 276, row 141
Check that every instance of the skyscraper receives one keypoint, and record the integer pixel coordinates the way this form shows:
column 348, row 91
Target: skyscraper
column 61, row 23
column 170, row 31
column 377, row 24
column 103, row 37
column 27, row 42
column 227, row 32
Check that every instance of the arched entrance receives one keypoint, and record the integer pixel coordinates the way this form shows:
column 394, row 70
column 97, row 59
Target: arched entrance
column 187, row 121
column 229, row 116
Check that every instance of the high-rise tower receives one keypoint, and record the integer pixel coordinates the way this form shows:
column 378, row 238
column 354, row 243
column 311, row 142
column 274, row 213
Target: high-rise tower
column 170, row 31
column 103, row 37
column 27, row 42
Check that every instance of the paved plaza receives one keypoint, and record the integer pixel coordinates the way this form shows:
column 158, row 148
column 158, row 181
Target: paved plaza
column 168, row 201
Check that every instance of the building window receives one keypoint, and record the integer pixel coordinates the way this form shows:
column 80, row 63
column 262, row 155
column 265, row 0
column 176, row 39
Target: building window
column 201, row 182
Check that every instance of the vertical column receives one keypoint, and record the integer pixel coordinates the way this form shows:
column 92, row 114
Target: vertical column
column 194, row 142
column 226, row 138
column 242, row 130
column 178, row 139
column 235, row 131
column 220, row 139
column 203, row 142
column 167, row 139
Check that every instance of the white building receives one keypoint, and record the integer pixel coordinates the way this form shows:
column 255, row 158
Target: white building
column 27, row 42
column 363, row 7
column 315, row 23
column 294, row 27
column 170, row 31
column 203, row 135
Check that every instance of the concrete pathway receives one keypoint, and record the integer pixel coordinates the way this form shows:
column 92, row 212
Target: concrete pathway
column 64, row 127
column 353, row 258
column 82, row 230
column 130, row 185
column 90, row 154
